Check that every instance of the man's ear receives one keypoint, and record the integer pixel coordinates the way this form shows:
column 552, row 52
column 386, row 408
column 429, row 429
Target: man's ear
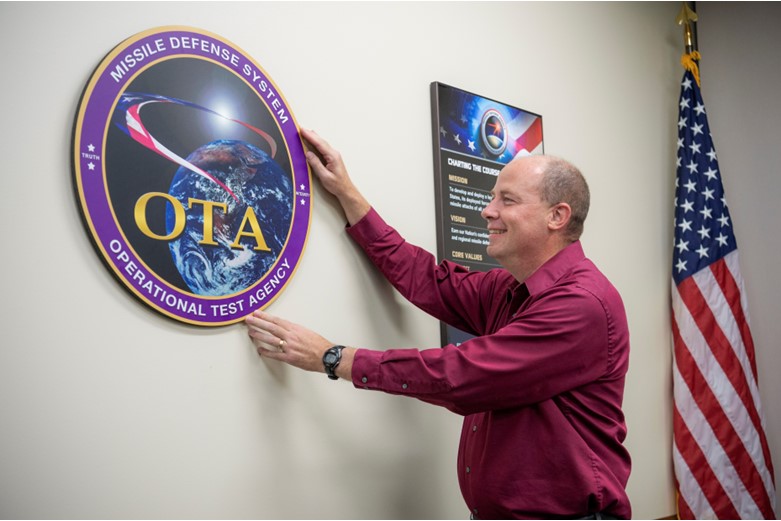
column 559, row 216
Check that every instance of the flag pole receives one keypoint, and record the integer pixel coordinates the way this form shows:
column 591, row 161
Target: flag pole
column 686, row 17
column 690, row 59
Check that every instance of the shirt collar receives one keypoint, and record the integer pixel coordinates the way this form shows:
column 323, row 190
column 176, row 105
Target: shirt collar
column 553, row 269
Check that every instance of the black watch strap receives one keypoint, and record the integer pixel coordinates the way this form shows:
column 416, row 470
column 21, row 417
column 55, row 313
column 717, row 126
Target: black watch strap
column 331, row 359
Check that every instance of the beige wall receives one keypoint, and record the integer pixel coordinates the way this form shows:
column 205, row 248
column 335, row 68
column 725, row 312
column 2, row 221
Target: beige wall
column 109, row 410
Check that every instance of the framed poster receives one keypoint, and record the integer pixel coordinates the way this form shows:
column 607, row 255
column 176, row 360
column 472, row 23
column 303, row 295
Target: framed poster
column 474, row 137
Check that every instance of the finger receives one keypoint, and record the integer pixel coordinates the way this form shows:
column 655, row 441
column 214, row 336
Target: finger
column 324, row 154
column 318, row 143
column 313, row 155
column 267, row 342
column 255, row 326
column 261, row 336
column 267, row 322
column 273, row 319
column 269, row 353
column 255, row 322
column 316, row 164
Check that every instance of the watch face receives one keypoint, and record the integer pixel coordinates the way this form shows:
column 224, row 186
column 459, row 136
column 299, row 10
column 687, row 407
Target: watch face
column 330, row 358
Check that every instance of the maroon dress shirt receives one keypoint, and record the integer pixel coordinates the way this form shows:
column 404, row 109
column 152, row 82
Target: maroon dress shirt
column 540, row 386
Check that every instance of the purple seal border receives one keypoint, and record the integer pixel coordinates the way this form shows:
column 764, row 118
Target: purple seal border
column 93, row 119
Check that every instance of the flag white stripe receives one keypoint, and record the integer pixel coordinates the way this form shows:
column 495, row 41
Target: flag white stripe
column 733, row 265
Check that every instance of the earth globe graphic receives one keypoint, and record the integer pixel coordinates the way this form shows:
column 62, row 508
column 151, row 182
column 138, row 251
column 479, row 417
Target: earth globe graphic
column 495, row 141
column 258, row 182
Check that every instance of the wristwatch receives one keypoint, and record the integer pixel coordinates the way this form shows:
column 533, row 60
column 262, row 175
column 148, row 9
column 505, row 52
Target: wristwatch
column 331, row 359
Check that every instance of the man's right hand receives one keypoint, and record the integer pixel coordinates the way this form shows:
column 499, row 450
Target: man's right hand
column 329, row 168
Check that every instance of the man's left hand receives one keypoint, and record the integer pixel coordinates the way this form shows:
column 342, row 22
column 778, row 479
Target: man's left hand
column 286, row 341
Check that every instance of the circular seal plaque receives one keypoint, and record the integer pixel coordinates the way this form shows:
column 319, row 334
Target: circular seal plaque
column 191, row 176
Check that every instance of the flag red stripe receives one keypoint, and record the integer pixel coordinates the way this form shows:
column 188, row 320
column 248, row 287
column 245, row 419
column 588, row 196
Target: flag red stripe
column 530, row 139
column 706, row 400
column 684, row 512
column 700, row 468
column 682, row 508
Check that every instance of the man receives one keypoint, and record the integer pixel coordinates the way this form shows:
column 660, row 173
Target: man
column 540, row 386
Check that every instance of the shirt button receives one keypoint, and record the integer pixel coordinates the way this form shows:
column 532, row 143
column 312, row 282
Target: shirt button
column 364, row 379
column 474, row 428
column 404, row 386
column 468, row 470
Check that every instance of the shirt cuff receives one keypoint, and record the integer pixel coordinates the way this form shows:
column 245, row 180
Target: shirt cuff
column 399, row 371
column 368, row 229
column 366, row 369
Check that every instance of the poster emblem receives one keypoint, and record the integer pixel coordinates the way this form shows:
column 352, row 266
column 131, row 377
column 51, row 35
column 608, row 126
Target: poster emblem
column 493, row 132
column 191, row 176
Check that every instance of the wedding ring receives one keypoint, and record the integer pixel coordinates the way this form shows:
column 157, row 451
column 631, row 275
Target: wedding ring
column 281, row 345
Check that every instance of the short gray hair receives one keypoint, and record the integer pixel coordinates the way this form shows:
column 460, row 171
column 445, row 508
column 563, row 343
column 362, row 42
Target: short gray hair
column 562, row 182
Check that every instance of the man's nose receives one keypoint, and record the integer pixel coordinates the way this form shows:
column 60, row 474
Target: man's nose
column 488, row 212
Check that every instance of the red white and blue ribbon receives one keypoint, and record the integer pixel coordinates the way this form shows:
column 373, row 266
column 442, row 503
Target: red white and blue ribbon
column 131, row 104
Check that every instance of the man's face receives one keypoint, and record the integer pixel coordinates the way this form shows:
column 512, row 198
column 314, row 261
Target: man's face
column 516, row 215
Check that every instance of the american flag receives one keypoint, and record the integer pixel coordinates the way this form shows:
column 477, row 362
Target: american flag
column 721, row 458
